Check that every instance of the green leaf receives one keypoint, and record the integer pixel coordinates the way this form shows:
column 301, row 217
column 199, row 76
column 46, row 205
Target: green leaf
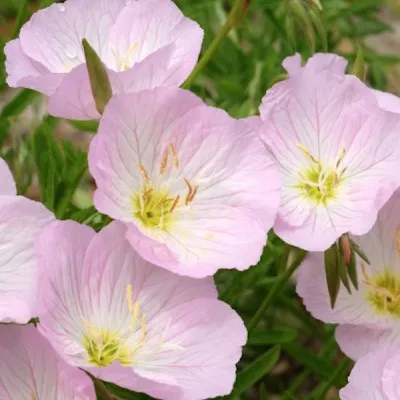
column 263, row 392
column 18, row 104
column 99, row 79
column 317, row 364
column 270, row 337
column 343, row 271
column 357, row 249
column 352, row 270
column 23, row 12
column 359, row 69
column 256, row 370
column 332, row 273
column 86, row 126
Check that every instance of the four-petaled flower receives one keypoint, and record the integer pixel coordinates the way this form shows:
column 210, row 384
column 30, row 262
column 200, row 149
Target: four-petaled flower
column 144, row 44
column 194, row 187
column 126, row 321
column 337, row 151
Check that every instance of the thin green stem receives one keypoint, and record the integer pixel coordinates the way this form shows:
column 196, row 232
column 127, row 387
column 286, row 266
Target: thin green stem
column 236, row 15
column 275, row 289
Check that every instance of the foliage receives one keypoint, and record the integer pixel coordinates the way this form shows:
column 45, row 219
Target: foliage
column 289, row 355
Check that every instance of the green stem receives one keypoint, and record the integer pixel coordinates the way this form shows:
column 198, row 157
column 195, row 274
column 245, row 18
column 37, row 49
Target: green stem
column 236, row 15
column 275, row 289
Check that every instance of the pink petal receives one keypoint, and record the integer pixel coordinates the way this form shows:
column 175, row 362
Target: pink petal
column 29, row 368
column 161, row 24
column 185, row 354
column 20, row 222
column 7, row 185
column 365, row 379
column 358, row 340
column 222, row 156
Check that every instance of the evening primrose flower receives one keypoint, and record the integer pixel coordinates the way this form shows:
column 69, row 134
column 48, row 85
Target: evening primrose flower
column 337, row 152
column 31, row 369
column 376, row 376
column 126, row 321
column 143, row 44
column 337, row 65
column 20, row 221
column 371, row 313
column 194, row 187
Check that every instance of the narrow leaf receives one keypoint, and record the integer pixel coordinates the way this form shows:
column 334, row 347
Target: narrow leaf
column 343, row 271
column 332, row 273
column 99, row 79
column 271, row 337
column 359, row 69
column 256, row 370
column 352, row 270
column 356, row 248
column 18, row 104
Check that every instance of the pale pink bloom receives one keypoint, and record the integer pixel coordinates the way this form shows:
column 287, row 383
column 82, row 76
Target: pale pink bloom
column 337, row 152
column 372, row 313
column 129, row 322
column 194, row 187
column 375, row 376
column 358, row 340
column 336, row 64
column 143, row 44
column 20, row 221
column 31, row 369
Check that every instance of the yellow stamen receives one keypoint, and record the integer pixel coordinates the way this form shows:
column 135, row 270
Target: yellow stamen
column 190, row 190
column 341, row 156
column 174, row 155
column 164, row 162
column 176, row 201
column 191, row 197
column 145, row 174
column 306, row 153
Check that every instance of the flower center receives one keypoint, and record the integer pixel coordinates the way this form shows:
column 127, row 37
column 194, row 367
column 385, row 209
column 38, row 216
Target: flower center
column 317, row 183
column 384, row 293
column 154, row 207
column 104, row 346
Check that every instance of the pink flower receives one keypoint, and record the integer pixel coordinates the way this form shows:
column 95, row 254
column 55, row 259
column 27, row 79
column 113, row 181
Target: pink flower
column 375, row 376
column 194, row 187
column 20, row 221
column 31, row 369
column 371, row 313
column 129, row 322
column 336, row 64
column 337, row 153
column 144, row 44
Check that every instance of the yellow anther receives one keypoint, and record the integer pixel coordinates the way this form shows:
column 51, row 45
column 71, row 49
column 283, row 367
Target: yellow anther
column 191, row 191
column 164, row 162
column 176, row 201
column 306, row 153
column 145, row 174
column 174, row 155
column 125, row 62
column 33, row 397
column 129, row 297
column 341, row 156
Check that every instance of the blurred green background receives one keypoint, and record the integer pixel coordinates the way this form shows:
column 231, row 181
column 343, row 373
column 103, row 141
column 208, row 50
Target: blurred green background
column 289, row 354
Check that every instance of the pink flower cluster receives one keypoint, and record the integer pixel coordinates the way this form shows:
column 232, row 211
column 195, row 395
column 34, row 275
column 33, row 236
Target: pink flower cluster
column 369, row 317
column 190, row 191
